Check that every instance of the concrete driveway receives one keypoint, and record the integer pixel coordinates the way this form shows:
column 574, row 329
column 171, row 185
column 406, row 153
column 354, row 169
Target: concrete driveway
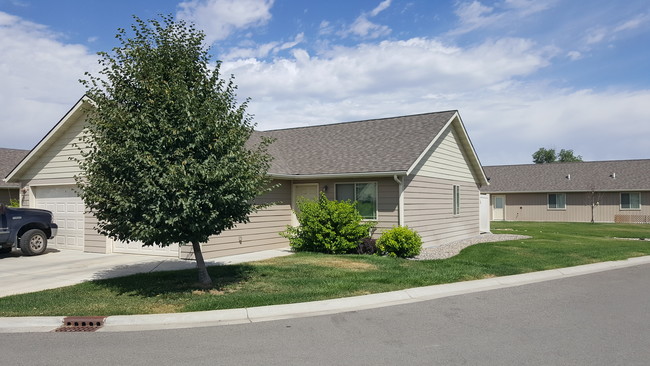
column 58, row 268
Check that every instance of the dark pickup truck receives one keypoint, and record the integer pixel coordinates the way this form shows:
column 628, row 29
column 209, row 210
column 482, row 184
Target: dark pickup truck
column 25, row 228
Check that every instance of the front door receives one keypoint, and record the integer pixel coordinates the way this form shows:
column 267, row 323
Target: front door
column 498, row 208
column 299, row 192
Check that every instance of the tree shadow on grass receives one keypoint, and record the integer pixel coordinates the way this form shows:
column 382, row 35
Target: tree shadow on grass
column 170, row 283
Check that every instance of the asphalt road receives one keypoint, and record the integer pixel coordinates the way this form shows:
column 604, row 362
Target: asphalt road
column 596, row 319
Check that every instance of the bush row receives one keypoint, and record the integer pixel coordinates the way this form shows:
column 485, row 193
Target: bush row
column 336, row 227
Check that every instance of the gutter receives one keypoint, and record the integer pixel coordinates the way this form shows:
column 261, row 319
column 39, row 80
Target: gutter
column 336, row 175
column 400, row 205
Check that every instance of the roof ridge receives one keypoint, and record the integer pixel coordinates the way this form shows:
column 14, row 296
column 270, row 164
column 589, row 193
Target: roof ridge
column 567, row 163
column 358, row 121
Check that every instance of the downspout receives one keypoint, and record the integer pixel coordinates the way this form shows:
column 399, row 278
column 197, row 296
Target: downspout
column 400, row 204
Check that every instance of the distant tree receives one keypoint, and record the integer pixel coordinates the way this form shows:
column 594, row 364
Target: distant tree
column 544, row 156
column 566, row 156
column 165, row 158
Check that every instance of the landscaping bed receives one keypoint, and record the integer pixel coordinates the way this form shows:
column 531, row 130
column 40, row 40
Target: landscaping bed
column 308, row 277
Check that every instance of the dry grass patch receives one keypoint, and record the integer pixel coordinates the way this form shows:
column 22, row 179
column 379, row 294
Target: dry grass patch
column 345, row 264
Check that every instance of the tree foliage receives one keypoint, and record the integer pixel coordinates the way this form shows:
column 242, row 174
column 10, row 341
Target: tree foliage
column 544, row 156
column 165, row 158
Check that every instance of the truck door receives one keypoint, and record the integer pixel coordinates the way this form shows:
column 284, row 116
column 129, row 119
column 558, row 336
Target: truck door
column 4, row 225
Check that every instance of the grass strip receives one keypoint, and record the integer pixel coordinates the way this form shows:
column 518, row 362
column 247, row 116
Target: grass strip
column 308, row 277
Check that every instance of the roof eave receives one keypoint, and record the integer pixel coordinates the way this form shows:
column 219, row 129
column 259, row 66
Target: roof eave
column 467, row 146
column 337, row 175
column 25, row 162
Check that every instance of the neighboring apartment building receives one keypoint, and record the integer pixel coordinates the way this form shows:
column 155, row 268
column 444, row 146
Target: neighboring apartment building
column 598, row 191
column 9, row 158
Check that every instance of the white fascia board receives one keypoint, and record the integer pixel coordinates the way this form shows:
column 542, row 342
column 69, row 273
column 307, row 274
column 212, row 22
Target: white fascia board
column 466, row 144
column 45, row 141
column 469, row 147
column 336, row 175
column 572, row 191
column 424, row 153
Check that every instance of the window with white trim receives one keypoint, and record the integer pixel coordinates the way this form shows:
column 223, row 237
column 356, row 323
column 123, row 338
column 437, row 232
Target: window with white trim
column 363, row 194
column 630, row 201
column 456, row 199
column 557, row 201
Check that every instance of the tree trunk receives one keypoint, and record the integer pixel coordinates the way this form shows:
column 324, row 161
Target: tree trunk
column 204, row 276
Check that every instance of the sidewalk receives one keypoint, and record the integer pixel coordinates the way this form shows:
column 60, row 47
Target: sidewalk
column 277, row 312
column 21, row 274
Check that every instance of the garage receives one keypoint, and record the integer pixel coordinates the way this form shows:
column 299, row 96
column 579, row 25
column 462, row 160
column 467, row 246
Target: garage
column 68, row 211
column 137, row 248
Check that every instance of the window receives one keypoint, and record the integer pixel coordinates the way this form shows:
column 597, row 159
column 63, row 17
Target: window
column 557, row 201
column 363, row 194
column 456, row 200
column 630, row 201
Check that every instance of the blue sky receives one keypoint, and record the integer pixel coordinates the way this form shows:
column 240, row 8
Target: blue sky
column 524, row 74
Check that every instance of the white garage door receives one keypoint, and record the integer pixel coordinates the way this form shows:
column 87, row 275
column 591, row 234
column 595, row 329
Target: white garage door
column 137, row 248
column 68, row 210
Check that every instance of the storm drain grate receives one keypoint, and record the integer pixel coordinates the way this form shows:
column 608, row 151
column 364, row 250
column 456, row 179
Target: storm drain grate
column 81, row 324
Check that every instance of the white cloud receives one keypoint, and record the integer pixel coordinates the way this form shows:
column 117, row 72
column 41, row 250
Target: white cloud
column 381, row 7
column 363, row 27
column 253, row 50
column 474, row 15
column 220, row 18
column 508, row 119
column 574, row 55
column 609, row 33
column 39, row 79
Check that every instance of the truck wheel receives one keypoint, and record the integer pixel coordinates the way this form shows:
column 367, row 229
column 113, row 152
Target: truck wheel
column 33, row 242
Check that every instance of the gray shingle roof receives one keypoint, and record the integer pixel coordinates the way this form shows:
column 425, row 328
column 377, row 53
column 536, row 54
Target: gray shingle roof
column 377, row 145
column 9, row 158
column 567, row 177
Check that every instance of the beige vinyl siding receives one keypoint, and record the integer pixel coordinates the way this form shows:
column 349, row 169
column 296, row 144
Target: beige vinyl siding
column 56, row 161
column 387, row 198
column 261, row 233
column 428, row 209
column 446, row 160
column 428, row 193
column 534, row 207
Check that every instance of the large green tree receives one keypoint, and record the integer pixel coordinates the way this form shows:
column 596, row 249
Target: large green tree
column 166, row 158
column 544, row 156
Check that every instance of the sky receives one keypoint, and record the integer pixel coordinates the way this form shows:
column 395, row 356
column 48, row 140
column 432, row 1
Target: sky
column 523, row 74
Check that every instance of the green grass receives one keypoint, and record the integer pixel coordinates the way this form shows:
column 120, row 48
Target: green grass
column 308, row 277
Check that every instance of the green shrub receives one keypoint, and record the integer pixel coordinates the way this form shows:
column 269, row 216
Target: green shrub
column 400, row 241
column 334, row 227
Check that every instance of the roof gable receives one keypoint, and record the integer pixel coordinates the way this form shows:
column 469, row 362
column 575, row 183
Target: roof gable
column 379, row 146
column 371, row 147
column 614, row 175
column 49, row 139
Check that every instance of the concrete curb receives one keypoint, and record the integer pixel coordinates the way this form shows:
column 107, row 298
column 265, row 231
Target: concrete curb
column 306, row 309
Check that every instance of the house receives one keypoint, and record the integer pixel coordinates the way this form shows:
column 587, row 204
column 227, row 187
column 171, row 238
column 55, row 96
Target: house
column 9, row 158
column 597, row 191
column 419, row 170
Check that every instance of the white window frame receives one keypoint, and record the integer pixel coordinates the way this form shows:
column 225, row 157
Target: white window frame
column 456, row 200
column 355, row 192
column 629, row 208
column 548, row 201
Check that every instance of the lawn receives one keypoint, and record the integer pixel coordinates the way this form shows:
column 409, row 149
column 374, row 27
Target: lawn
column 307, row 277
